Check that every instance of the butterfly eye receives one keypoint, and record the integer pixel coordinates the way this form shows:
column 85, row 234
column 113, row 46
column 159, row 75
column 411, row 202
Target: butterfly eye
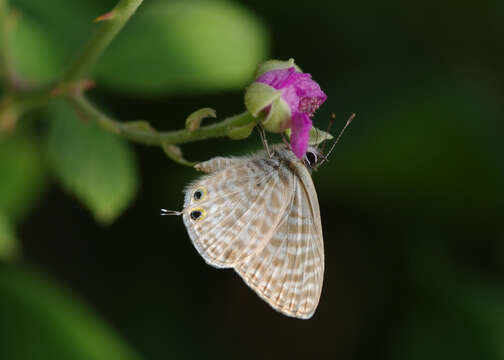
column 199, row 194
column 197, row 214
column 312, row 158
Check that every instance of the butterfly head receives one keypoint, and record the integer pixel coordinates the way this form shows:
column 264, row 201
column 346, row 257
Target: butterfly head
column 313, row 158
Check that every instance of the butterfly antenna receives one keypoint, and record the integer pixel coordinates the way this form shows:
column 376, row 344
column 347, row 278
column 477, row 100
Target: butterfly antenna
column 165, row 212
column 331, row 122
column 350, row 119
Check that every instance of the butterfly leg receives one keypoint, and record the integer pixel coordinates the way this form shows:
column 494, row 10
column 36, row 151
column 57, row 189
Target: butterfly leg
column 217, row 163
column 262, row 133
column 285, row 141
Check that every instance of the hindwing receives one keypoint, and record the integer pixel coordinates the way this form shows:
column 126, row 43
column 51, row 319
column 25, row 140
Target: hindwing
column 238, row 209
column 288, row 272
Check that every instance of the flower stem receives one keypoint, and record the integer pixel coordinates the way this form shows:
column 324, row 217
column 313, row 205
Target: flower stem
column 100, row 40
column 139, row 133
column 20, row 100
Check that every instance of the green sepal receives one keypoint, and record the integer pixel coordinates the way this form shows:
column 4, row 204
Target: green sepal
column 193, row 121
column 276, row 65
column 278, row 118
column 259, row 96
column 241, row 132
column 317, row 136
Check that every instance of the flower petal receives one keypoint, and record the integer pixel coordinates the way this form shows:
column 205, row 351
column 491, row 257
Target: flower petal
column 306, row 87
column 310, row 94
column 291, row 98
column 277, row 79
column 301, row 125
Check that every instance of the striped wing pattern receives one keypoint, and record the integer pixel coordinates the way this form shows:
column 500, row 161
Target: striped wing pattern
column 288, row 272
column 262, row 218
column 243, row 206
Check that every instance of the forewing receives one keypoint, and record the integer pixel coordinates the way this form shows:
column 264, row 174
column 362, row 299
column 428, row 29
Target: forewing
column 288, row 272
column 240, row 208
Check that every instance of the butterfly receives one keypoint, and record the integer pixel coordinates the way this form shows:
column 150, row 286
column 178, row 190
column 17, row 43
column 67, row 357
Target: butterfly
column 259, row 215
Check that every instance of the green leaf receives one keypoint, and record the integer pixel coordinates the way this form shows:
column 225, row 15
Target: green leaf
column 185, row 46
column 41, row 320
column 9, row 245
column 67, row 23
column 34, row 56
column 22, row 177
column 96, row 166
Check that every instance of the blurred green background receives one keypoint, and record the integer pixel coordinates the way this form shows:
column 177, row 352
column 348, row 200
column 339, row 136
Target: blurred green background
column 411, row 201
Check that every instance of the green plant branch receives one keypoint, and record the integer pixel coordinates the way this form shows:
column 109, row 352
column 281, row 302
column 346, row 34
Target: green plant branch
column 70, row 85
column 21, row 100
column 100, row 40
column 141, row 132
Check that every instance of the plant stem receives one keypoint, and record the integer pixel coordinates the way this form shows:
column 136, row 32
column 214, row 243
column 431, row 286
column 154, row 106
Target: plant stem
column 138, row 131
column 69, row 85
column 100, row 40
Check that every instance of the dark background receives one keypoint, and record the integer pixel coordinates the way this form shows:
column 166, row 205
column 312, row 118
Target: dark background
column 411, row 201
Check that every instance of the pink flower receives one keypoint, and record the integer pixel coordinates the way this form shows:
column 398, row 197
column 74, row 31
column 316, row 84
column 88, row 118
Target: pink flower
column 303, row 96
column 283, row 97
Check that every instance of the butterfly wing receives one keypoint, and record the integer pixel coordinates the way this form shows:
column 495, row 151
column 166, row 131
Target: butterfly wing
column 231, row 213
column 288, row 272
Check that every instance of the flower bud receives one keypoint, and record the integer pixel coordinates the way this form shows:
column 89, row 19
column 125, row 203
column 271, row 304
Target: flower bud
column 283, row 97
